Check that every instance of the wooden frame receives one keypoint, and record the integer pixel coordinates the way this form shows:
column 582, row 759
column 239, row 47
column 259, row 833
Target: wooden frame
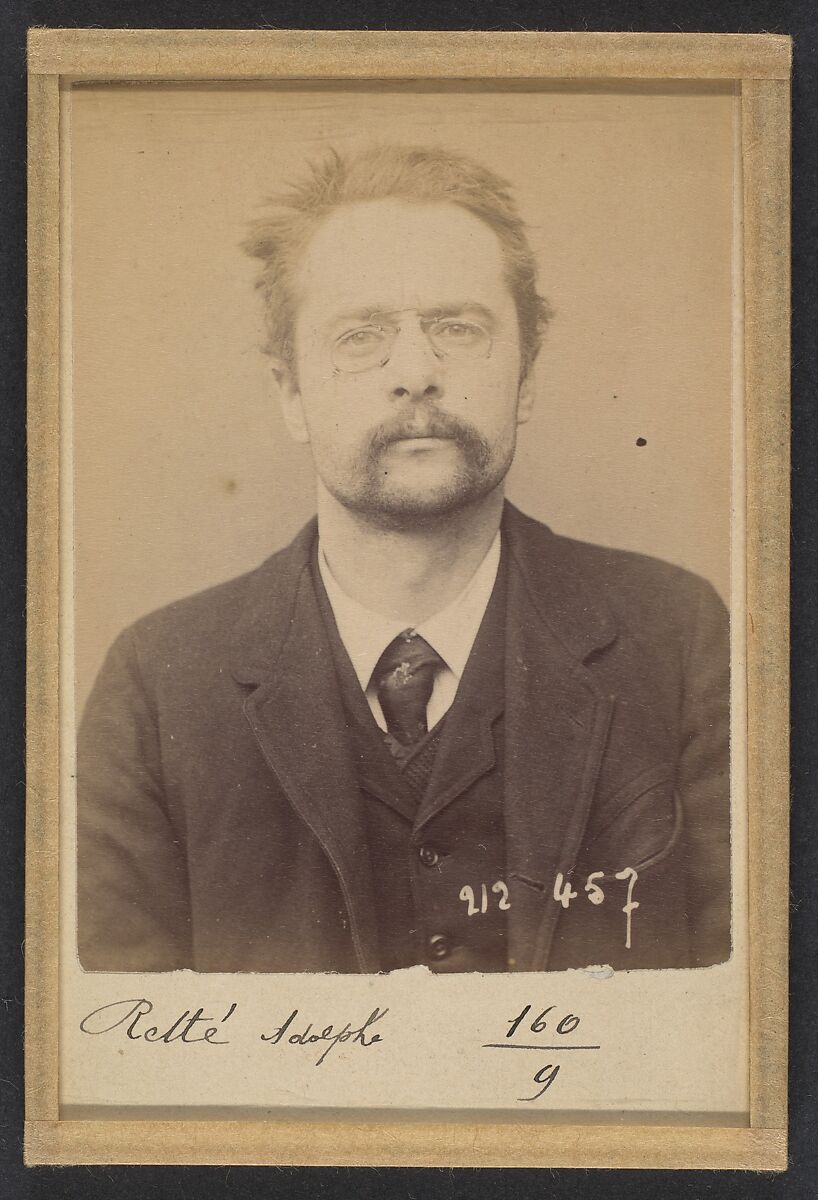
column 762, row 64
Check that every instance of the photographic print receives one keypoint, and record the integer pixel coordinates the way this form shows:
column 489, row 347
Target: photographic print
column 403, row 596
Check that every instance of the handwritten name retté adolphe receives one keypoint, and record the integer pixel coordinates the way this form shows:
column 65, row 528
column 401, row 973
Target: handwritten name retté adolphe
column 134, row 1018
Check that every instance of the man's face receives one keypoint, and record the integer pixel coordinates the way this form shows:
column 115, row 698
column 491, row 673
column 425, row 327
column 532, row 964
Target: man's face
column 433, row 428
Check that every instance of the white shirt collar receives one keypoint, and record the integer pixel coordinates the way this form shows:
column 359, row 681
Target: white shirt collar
column 451, row 632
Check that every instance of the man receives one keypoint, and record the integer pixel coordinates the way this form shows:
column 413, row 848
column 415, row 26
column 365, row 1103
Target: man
column 430, row 730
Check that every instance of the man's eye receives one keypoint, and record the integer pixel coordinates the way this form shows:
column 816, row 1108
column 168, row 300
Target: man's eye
column 461, row 333
column 358, row 341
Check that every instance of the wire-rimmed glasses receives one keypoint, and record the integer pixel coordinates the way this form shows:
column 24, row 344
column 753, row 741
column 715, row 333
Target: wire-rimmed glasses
column 370, row 345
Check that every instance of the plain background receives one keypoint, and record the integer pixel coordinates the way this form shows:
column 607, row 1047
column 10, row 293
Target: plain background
column 183, row 472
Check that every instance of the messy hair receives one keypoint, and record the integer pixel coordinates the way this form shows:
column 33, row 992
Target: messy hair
column 419, row 174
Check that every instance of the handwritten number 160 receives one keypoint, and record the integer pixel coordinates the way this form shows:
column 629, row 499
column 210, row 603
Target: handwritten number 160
column 567, row 1024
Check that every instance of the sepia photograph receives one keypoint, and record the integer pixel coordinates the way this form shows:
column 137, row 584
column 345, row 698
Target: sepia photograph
column 406, row 510
column 408, row 728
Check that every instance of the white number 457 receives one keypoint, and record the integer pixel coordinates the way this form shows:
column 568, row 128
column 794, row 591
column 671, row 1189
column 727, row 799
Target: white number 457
column 564, row 894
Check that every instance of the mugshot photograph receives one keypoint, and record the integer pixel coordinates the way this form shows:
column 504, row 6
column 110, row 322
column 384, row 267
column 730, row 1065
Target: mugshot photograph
column 431, row 730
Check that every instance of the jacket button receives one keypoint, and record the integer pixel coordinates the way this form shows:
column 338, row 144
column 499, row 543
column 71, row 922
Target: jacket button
column 439, row 946
column 428, row 856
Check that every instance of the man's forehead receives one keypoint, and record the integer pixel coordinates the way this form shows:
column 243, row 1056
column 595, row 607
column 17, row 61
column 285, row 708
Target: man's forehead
column 362, row 220
column 390, row 253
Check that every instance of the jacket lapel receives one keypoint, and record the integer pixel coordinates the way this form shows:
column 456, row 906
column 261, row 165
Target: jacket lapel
column 295, row 712
column 555, row 731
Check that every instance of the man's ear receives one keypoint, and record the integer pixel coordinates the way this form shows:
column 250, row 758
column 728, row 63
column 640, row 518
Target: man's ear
column 525, row 399
column 289, row 399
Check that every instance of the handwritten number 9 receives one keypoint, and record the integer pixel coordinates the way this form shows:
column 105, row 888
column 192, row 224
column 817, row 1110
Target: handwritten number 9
column 546, row 1076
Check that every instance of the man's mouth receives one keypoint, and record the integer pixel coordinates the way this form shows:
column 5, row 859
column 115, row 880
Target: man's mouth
column 424, row 436
column 420, row 440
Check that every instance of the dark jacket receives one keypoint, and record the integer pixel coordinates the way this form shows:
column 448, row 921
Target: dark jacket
column 219, row 824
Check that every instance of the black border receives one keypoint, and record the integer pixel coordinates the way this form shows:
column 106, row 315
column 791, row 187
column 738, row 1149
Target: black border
column 157, row 1183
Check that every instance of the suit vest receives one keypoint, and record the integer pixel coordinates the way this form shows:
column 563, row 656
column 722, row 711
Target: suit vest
column 435, row 828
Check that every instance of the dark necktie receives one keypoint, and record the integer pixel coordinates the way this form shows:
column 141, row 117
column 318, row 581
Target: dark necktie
column 404, row 676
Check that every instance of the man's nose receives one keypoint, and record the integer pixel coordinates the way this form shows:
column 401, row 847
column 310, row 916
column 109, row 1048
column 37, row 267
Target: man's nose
column 414, row 371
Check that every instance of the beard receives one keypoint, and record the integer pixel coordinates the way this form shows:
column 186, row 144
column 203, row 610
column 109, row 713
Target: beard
column 370, row 489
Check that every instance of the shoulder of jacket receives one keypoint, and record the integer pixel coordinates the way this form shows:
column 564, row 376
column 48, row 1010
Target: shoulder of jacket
column 625, row 580
column 206, row 618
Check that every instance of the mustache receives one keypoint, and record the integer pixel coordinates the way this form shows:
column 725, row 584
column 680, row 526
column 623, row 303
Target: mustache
column 432, row 424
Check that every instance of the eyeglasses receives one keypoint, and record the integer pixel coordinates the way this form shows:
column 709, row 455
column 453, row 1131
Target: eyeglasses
column 369, row 346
